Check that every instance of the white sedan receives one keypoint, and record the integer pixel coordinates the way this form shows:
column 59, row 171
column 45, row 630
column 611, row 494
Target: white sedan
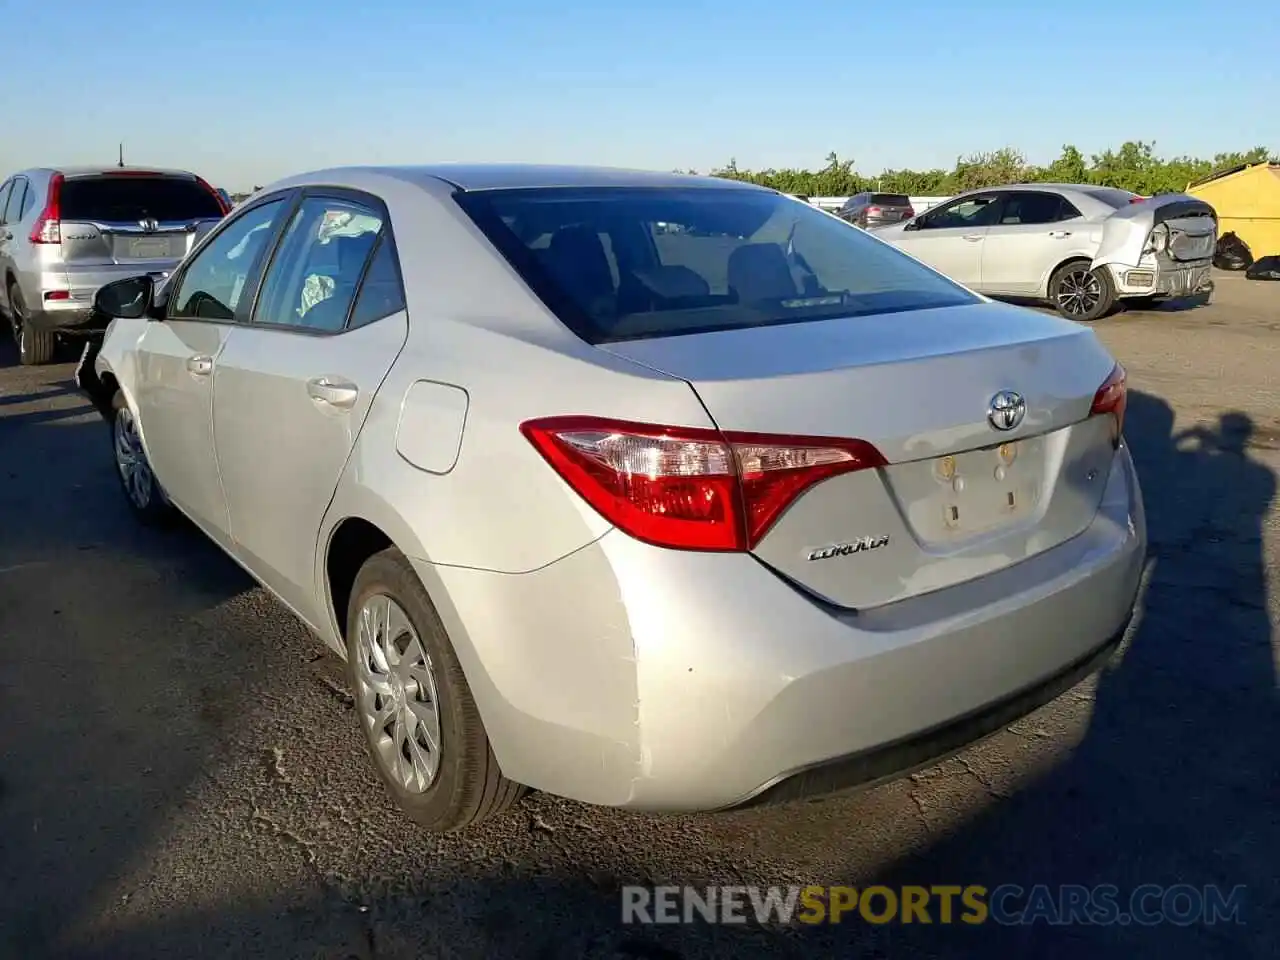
column 1078, row 247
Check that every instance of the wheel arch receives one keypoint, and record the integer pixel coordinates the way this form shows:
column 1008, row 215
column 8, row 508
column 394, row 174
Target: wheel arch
column 1048, row 277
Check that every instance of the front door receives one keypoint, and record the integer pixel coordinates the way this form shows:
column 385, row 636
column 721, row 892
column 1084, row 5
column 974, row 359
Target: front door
column 292, row 388
column 949, row 238
column 176, row 358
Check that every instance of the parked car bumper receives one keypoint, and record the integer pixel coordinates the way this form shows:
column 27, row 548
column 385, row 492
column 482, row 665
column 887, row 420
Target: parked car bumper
column 1163, row 277
column 633, row 676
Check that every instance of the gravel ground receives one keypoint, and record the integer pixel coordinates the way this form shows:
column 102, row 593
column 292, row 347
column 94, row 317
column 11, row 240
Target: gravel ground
column 181, row 774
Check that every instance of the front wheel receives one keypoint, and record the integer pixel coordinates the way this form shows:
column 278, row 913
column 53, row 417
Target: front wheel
column 419, row 720
column 1081, row 294
column 141, row 489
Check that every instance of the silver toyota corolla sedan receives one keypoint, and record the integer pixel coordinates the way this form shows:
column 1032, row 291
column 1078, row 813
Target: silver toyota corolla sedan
column 667, row 519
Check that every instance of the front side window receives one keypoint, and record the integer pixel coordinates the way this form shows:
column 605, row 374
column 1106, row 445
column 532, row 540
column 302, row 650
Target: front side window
column 313, row 279
column 213, row 284
column 692, row 260
column 977, row 211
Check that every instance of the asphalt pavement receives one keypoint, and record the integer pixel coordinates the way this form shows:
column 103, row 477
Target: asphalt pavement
column 181, row 775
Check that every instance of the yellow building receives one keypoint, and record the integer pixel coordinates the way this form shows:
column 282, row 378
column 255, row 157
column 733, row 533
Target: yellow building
column 1247, row 199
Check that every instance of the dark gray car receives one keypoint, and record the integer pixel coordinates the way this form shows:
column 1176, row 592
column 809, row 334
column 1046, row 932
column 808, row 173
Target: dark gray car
column 870, row 210
column 65, row 232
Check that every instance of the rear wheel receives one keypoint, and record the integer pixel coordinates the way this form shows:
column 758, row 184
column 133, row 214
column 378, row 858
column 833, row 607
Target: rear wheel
column 1079, row 293
column 419, row 720
column 139, row 483
column 35, row 347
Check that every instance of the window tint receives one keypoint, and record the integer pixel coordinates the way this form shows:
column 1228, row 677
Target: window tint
column 891, row 199
column 4, row 198
column 14, row 204
column 381, row 294
column 683, row 261
column 1035, row 208
column 28, row 202
column 214, row 282
column 313, row 278
column 118, row 199
column 977, row 211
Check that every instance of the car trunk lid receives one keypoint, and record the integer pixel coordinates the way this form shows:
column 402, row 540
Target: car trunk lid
column 138, row 218
column 958, row 498
column 1192, row 226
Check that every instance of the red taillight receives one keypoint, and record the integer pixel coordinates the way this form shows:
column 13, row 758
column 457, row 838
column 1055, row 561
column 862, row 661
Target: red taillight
column 1136, row 199
column 688, row 488
column 58, row 295
column 873, row 211
column 48, row 226
column 222, row 204
column 910, row 212
column 1111, row 398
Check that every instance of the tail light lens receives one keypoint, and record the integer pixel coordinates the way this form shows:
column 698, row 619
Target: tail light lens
column 222, row 204
column 873, row 211
column 690, row 489
column 1110, row 400
column 48, row 226
column 908, row 213
column 1157, row 239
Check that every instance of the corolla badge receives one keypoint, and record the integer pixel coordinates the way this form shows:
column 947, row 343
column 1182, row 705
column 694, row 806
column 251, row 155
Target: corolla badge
column 1006, row 410
column 844, row 549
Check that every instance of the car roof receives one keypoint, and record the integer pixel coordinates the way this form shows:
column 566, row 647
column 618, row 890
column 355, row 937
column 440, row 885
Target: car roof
column 91, row 171
column 471, row 177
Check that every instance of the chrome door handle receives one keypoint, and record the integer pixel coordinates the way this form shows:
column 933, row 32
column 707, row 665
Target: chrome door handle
column 200, row 366
column 1059, row 234
column 333, row 393
column 972, row 237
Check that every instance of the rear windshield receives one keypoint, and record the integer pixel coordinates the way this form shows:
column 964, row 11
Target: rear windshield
column 1111, row 196
column 624, row 263
column 891, row 199
column 120, row 199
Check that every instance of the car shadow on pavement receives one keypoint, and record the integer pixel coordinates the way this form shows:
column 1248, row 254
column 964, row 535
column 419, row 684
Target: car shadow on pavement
column 98, row 676
column 1173, row 782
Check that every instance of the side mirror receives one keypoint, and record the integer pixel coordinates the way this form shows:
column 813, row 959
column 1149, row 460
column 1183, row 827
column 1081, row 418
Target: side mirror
column 127, row 299
column 912, row 225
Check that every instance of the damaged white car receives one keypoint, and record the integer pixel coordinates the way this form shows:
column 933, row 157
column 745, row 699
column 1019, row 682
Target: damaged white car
column 1080, row 248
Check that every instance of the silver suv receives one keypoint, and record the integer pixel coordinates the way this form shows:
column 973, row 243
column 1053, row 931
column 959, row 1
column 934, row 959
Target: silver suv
column 66, row 232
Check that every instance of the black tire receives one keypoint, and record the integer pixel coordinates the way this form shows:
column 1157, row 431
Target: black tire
column 468, row 786
column 35, row 347
column 1081, row 294
column 141, row 490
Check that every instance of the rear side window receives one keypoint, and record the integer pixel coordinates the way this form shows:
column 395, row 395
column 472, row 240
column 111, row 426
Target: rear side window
column 13, row 207
column 4, row 198
column 891, row 199
column 128, row 199
column 28, row 202
column 1021, row 208
column 625, row 263
column 312, row 281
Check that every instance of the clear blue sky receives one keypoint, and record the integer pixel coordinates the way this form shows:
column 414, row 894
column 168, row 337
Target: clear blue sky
column 244, row 92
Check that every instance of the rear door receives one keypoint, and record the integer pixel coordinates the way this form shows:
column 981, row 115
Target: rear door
column 1037, row 230
column 292, row 389
column 130, row 222
column 949, row 238
column 176, row 359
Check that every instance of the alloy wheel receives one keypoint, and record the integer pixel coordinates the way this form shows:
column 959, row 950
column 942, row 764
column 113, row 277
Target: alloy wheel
column 1079, row 292
column 396, row 694
column 131, row 459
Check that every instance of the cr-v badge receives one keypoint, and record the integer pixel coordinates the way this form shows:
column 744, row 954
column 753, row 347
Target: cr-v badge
column 860, row 545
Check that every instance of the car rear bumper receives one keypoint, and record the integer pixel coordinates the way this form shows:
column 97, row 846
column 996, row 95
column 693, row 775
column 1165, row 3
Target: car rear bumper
column 68, row 317
column 1163, row 277
column 633, row 676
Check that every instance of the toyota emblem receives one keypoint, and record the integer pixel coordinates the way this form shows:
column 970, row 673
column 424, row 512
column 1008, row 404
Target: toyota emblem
column 1006, row 410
